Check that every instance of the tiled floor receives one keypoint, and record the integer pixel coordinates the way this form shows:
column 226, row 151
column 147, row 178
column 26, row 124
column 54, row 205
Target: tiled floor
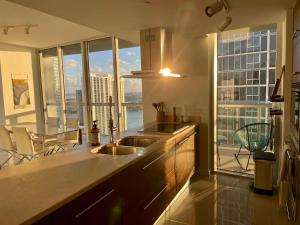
column 223, row 200
column 228, row 161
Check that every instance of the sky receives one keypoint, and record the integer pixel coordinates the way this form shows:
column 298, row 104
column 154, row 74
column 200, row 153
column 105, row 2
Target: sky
column 102, row 63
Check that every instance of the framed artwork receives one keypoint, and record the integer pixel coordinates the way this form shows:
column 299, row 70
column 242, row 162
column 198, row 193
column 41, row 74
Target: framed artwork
column 20, row 90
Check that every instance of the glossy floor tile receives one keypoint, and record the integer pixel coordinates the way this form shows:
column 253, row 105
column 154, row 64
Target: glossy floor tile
column 223, row 200
column 228, row 162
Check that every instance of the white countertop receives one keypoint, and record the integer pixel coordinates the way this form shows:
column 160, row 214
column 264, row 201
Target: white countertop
column 32, row 190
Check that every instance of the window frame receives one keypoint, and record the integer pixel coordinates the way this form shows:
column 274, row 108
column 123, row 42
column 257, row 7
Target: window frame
column 86, row 88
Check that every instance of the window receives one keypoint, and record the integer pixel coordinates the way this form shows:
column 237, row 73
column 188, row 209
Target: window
column 246, row 78
column 102, row 82
column 70, row 92
column 73, row 83
column 51, row 84
column 131, row 89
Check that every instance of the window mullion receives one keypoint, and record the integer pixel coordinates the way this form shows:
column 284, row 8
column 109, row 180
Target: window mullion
column 117, row 83
column 62, row 84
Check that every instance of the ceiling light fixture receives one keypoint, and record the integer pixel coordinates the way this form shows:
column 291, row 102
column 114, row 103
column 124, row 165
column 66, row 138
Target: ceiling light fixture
column 5, row 30
column 217, row 7
column 225, row 23
column 214, row 8
column 166, row 72
column 26, row 28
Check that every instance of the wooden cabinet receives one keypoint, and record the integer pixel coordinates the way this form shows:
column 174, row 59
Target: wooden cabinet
column 137, row 194
column 102, row 204
column 184, row 158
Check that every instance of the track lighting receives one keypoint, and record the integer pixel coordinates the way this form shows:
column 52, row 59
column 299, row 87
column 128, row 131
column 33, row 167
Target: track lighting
column 214, row 8
column 26, row 28
column 217, row 7
column 225, row 23
column 5, row 30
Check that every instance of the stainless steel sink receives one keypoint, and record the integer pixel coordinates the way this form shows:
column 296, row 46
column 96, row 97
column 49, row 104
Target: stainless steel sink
column 113, row 149
column 137, row 141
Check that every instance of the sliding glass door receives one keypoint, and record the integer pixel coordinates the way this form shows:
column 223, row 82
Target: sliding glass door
column 130, row 88
column 75, row 102
column 102, row 82
column 51, row 85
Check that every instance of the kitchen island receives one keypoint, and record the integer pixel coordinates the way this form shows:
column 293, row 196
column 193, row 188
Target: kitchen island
column 79, row 187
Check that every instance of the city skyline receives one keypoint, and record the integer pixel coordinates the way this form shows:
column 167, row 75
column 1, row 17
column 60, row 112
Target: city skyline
column 101, row 63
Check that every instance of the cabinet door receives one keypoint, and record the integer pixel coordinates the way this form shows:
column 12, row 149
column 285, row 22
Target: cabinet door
column 190, row 150
column 102, row 204
column 106, row 210
column 152, row 207
column 180, row 165
column 184, row 159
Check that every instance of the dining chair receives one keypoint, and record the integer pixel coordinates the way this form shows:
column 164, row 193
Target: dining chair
column 254, row 137
column 69, row 137
column 6, row 144
column 53, row 121
column 24, row 143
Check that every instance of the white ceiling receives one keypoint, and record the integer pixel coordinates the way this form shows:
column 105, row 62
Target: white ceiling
column 51, row 30
column 124, row 18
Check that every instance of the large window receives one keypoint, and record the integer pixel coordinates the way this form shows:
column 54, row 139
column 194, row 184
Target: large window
column 102, row 81
column 73, row 82
column 51, row 83
column 72, row 91
column 245, row 80
column 131, row 89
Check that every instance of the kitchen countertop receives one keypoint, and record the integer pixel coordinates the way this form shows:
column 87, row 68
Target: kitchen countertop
column 34, row 189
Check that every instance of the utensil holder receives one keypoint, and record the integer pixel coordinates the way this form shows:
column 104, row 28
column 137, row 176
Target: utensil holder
column 160, row 116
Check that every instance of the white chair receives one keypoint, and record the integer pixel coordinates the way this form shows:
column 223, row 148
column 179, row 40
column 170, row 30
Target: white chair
column 6, row 144
column 68, row 137
column 24, row 142
column 53, row 121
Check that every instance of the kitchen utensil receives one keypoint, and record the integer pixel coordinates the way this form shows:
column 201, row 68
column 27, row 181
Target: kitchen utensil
column 155, row 106
column 160, row 106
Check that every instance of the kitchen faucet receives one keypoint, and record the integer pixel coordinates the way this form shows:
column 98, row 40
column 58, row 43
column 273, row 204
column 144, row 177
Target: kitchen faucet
column 111, row 122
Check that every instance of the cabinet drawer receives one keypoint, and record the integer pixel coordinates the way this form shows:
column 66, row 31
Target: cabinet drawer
column 158, row 167
column 96, row 204
column 153, row 206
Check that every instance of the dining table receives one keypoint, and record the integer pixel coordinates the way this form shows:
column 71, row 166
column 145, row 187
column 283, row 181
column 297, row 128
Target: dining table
column 44, row 131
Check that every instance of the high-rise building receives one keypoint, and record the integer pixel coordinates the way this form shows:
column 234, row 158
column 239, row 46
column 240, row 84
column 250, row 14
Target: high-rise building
column 101, row 89
column 246, row 79
column 80, row 107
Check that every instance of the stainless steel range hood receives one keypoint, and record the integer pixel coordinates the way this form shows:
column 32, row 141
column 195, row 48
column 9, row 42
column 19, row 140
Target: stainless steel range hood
column 156, row 54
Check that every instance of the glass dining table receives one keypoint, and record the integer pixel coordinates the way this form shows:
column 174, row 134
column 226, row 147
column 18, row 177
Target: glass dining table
column 44, row 131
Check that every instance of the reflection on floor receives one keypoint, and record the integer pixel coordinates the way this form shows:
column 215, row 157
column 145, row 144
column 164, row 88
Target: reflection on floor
column 223, row 200
column 228, row 162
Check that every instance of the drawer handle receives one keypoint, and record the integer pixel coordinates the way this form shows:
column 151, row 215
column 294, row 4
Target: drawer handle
column 150, row 203
column 184, row 140
column 95, row 203
column 153, row 161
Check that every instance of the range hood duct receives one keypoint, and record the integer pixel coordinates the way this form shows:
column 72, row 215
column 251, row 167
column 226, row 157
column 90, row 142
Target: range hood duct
column 156, row 54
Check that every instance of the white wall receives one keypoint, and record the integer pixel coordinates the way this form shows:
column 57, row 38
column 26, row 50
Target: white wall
column 191, row 58
column 18, row 60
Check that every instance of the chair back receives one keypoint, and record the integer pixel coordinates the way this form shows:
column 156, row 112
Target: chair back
column 53, row 121
column 254, row 136
column 72, row 123
column 23, row 141
column 6, row 143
